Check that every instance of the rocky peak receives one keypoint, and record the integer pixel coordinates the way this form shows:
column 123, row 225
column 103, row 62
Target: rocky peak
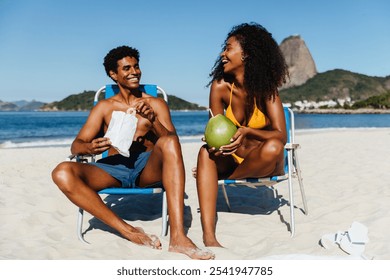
column 300, row 63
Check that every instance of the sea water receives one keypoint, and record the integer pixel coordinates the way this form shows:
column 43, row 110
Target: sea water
column 32, row 129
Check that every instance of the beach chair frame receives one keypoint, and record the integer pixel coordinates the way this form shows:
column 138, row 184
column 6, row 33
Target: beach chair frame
column 108, row 91
column 291, row 169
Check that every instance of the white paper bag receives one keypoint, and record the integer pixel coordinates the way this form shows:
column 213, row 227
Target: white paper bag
column 121, row 130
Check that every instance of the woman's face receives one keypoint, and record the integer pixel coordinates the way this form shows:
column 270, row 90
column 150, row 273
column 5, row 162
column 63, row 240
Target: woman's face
column 232, row 56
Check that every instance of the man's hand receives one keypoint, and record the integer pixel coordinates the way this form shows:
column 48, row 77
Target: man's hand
column 100, row 145
column 145, row 111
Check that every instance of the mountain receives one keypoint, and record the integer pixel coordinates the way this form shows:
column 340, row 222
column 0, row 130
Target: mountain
column 8, row 106
column 307, row 88
column 75, row 102
column 337, row 84
column 176, row 103
column 301, row 65
column 84, row 101
column 21, row 105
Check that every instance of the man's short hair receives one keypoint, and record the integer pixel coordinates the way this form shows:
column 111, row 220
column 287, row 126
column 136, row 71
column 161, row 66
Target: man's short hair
column 111, row 59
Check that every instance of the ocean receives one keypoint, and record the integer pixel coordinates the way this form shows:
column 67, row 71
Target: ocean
column 34, row 129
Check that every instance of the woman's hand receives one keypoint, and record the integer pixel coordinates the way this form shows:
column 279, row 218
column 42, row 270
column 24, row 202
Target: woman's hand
column 212, row 149
column 235, row 142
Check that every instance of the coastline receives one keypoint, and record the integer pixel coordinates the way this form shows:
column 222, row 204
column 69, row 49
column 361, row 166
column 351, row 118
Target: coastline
column 343, row 111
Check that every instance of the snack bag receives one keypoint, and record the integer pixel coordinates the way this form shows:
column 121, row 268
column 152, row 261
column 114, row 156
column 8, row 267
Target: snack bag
column 121, row 130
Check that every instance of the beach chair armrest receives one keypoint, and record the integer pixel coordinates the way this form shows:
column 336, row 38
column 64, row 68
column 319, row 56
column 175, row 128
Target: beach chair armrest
column 292, row 146
column 81, row 158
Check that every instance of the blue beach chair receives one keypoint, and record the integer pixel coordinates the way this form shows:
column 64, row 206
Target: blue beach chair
column 108, row 91
column 291, row 169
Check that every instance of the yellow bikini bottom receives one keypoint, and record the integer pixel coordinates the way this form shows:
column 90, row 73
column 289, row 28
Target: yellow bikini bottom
column 237, row 158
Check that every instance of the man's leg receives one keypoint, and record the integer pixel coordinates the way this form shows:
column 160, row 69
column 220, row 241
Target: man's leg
column 166, row 164
column 80, row 183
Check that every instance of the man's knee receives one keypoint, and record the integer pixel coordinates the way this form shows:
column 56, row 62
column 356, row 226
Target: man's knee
column 168, row 142
column 61, row 174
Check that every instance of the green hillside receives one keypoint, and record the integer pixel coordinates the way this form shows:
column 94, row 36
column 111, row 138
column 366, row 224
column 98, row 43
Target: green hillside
column 84, row 101
column 335, row 84
column 376, row 102
column 75, row 102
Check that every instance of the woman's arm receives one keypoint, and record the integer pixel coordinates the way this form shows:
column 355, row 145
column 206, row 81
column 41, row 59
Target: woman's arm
column 277, row 127
column 216, row 102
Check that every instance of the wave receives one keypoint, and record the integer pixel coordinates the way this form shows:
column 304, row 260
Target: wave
column 65, row 142
column 190, row 138
column 37, row 143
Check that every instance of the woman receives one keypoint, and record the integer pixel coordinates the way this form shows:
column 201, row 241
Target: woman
column 244, row 84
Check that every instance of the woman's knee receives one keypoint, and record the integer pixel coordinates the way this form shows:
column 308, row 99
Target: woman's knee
column 203, row 153
column 273, row 148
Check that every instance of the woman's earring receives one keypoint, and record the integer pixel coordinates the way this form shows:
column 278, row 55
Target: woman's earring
column 242, row 58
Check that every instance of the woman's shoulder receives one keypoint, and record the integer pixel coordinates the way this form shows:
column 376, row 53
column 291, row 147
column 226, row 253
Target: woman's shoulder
column 220, row 87
column 220, row 84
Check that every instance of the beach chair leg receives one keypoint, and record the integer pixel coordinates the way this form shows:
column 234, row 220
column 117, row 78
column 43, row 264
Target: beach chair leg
column 164, row 226
column 226, row 197
column 298, row 171
column 80, row 226
column 291, row 193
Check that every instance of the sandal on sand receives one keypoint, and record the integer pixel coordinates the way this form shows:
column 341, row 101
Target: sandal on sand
column 352, row 241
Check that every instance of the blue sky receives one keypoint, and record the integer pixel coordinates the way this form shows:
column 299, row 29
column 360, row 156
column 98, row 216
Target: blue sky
column 51, row 49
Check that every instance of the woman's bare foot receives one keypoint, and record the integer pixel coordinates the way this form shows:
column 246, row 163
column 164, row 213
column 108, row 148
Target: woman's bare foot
column 187, row 247
column 211, row 242
column 138, row 236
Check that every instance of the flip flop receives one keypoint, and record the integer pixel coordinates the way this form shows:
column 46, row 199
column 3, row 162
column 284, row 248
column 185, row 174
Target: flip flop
column 331, row 239
column 355, row 239
column 352, row 241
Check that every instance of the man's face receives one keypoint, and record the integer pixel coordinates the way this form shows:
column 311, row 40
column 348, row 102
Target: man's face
column 128, row 73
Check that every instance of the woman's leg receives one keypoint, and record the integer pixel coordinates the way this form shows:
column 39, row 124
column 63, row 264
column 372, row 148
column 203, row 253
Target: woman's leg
column 209, row 169
column 265, row 160
column 262, row 161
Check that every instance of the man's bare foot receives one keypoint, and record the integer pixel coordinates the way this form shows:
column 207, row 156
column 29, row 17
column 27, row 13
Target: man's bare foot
column 194, row 172
column 138, row 236
column 187, row 247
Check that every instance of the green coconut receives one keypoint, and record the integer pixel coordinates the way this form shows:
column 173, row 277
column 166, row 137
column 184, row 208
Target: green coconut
column 219, row 130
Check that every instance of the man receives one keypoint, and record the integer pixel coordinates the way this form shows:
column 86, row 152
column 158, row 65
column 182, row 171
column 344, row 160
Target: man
column 155, row 156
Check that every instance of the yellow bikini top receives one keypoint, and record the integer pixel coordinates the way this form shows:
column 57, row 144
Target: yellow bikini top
column 258, row 119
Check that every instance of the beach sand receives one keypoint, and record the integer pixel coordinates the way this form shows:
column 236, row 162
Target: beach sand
column 346, row 174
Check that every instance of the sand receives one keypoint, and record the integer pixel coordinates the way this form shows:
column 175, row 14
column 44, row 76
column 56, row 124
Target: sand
column 346, row 174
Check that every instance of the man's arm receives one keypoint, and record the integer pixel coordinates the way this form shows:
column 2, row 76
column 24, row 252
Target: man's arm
column 157, row 112
column 85, row 142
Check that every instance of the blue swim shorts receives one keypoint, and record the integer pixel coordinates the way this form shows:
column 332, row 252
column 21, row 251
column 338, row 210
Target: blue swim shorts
column 124, row 169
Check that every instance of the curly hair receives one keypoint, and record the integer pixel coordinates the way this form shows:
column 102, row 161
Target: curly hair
column 265, row 66
column 111, row 59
